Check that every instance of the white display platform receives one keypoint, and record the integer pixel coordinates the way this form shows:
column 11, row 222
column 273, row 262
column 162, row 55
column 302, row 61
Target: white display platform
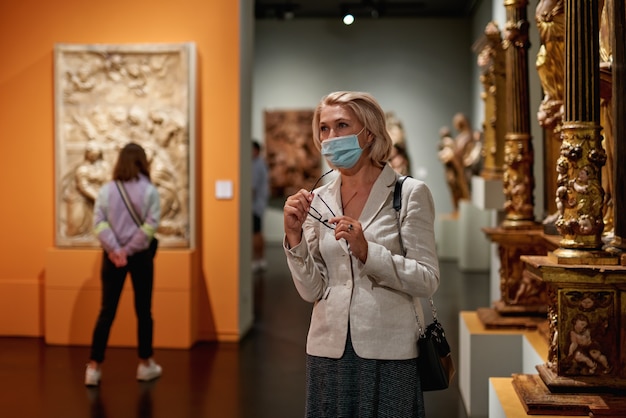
column 487, row 194
column 534, row 352
column 486, row 353
column 447, row 237
column 461, row 237
column 504, row 402
column 474, row 245
column 495, row 264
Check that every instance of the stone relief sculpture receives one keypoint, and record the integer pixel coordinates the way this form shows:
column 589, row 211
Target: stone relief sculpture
column 107, row 96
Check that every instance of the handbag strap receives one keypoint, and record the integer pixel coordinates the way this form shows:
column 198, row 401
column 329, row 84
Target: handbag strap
column 129, row 206
column 397, row 204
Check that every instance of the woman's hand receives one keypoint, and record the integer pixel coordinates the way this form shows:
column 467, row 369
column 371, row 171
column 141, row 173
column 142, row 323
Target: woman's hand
column 118, row 258
column 350, row 229
column 295, row 212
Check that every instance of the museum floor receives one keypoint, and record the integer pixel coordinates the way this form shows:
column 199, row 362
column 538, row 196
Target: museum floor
column 261, row 377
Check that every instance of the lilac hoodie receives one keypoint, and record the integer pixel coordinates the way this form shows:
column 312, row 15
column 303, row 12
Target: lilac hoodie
column 114, row 225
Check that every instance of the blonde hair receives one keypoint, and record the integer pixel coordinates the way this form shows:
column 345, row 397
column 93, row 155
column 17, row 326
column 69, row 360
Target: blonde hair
column 369, row 113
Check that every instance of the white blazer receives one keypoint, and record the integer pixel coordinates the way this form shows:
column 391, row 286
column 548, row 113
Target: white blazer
column 378, row 299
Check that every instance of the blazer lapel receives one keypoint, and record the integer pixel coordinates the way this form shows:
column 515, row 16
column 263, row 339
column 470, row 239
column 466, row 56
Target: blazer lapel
column 334, row 193
column 382, row 188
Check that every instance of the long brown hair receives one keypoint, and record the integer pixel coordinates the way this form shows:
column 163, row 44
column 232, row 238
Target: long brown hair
column 131, row 162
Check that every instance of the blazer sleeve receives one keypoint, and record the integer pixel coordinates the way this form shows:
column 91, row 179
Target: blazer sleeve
column 306, row 265
column 416, row 272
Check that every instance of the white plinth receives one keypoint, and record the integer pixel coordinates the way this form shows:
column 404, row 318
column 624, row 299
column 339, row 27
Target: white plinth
column 487, row 194
column 474, row 245
column 485, row 353
column 534, row 352
column 447, row 237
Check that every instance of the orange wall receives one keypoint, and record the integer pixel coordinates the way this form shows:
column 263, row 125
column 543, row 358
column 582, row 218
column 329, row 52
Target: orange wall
column 28, row 31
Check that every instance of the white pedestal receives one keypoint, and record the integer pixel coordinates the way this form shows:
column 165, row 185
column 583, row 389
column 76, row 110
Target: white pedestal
column 485, row 353
column 474, row 245
column 494, row 271
column 447, row 237
column 534, row 352
column 487, row 194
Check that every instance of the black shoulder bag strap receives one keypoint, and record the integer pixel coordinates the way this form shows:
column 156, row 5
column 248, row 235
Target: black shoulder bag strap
column 397, row 204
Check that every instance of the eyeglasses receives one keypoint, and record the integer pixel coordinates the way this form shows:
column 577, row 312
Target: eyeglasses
column 317, row 215
column 319, row 179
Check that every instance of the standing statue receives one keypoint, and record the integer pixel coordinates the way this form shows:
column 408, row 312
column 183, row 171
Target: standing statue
column 550, row 64
column 550, row 18
column 399, row 158
column 606, row 115
column 454, row 170
column 468, row 147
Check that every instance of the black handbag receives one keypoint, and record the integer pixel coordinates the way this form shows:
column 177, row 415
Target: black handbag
column 154, row 243
column 435, row 365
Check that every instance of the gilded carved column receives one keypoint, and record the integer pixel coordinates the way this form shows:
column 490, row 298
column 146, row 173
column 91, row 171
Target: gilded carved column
column 519, row 181
column 493, row 78
column 586, row 286
column 579, row 188
column 523, row 300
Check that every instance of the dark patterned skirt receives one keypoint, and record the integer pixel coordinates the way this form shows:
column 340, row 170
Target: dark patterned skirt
column 365, row 388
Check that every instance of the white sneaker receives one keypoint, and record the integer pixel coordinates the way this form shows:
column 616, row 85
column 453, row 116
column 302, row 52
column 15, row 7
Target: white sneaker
column 92, row 376
column 150, row 372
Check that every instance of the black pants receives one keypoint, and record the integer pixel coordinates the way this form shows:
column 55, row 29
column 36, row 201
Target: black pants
column 141, row 269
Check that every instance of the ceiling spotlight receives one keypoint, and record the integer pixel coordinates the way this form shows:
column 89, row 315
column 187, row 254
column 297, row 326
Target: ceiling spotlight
column 348, row 19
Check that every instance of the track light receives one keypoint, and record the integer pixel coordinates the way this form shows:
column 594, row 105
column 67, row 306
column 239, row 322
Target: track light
column 348, row 19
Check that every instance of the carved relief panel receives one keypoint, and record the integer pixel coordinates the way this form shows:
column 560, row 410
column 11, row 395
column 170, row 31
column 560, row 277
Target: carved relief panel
column 588, row 332
column 107, row 96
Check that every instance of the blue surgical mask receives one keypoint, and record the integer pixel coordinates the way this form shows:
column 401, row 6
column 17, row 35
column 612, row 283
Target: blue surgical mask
column 343, row 151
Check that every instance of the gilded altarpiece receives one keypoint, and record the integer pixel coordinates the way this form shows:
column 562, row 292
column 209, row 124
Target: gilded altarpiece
column 107, row 96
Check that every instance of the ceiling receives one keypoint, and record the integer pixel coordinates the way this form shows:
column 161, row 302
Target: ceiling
column 321, row 9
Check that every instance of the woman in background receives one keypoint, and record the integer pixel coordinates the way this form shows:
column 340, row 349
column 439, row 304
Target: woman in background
column 126, row 249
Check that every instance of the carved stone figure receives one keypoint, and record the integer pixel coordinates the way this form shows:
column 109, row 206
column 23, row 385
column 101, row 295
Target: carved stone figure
column 81, row 189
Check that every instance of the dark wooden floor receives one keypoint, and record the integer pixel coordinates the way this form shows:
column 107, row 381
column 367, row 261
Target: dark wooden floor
column 262, row 376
